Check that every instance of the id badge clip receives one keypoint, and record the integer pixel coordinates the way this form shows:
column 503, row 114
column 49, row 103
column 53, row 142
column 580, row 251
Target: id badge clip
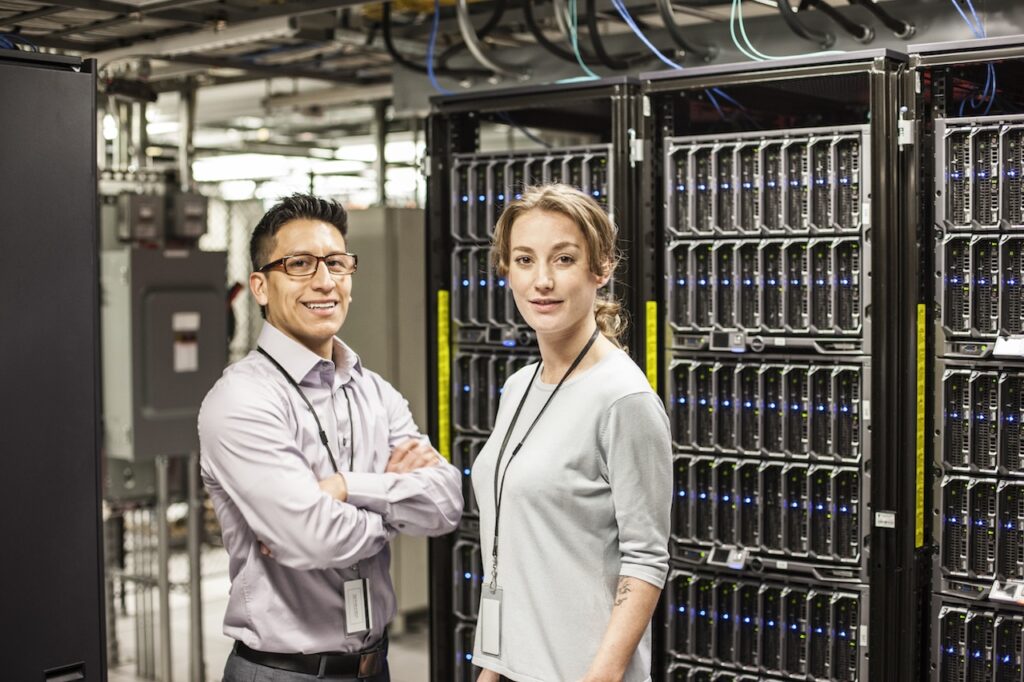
column 358, row 614
column 490, row 620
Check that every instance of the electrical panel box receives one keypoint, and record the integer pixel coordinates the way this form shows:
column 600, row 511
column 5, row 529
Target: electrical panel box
column 164, row 337
column 187, row 216
column 141, row 217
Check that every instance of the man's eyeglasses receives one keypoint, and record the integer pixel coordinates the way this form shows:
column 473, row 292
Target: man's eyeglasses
column 305, row 264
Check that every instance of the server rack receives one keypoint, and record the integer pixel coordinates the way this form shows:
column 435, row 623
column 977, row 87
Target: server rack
column 972, row 168
column 788, row 291
column 52, row 618
column 476, row 338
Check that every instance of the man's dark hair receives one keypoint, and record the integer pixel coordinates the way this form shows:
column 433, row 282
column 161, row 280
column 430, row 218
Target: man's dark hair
column 295, row 207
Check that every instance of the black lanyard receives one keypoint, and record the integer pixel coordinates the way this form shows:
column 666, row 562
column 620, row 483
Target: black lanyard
column 319, row 426
column 500, row 490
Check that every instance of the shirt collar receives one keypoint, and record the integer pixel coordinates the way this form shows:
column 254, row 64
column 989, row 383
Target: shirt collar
column 299, row 361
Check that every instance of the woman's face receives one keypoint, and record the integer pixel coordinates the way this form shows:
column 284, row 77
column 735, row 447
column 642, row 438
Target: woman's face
column 549, row 273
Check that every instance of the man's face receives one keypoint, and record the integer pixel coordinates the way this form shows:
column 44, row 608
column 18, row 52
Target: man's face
column 312, row 309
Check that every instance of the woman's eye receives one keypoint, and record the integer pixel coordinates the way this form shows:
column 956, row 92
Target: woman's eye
column 566, row 260
column 522, row 260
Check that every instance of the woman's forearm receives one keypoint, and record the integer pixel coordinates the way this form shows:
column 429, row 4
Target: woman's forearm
column 635, row 601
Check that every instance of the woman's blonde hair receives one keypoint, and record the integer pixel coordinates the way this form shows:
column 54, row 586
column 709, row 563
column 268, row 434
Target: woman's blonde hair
column 599, row 234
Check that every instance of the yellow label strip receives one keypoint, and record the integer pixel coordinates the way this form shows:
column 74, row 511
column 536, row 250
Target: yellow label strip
column 921, row 364
column 651, row 324
column 444, row 375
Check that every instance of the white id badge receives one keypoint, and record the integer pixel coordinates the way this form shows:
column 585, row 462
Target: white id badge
column 358, row 615
column 490, row 621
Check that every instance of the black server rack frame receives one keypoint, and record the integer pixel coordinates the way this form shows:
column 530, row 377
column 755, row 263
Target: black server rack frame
column 474, row 335
column 969, row 175
column 873, row 89
column 54, row 618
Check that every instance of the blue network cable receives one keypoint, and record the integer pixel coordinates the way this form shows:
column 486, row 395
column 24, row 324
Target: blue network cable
column 430, row 50
column 714, row 102
column 988, row 92
column 620, row 6
column 624, row 13
column 508, row 119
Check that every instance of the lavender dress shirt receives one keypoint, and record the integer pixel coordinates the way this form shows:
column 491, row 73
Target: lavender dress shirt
column 261, row 462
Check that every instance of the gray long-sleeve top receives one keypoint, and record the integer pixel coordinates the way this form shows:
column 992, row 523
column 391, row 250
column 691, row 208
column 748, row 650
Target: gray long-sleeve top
column 586, row 500
column 262, row 460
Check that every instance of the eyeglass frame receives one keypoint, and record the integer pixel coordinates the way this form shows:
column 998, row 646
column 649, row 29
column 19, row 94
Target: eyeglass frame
column 279, row 264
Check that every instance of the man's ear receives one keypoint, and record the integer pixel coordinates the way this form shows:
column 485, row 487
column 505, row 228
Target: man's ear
column 258, row 287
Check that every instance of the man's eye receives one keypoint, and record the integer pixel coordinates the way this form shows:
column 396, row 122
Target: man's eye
column 299, row 262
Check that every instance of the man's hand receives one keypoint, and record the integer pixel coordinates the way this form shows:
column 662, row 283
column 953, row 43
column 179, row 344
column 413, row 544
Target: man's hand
column 488, row 676
column 411, row 455
column 336, row 487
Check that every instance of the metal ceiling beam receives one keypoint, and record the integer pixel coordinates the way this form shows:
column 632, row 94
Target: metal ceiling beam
column 16, row 19
column 166, row 10
column 332, row 96
column 290, row 9
column 269, row 71
column 94, row 26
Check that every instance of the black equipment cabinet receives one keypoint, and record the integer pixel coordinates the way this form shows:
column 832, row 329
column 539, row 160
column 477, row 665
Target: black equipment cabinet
column 790, row 305
column 476, row 338
column 52, row 616
column 972, row 209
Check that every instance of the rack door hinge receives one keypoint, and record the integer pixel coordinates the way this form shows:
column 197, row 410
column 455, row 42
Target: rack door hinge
column 907, row 132
column 636, row 148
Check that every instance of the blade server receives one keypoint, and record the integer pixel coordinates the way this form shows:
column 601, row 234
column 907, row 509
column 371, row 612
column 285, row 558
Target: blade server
column 767, row 262
column 979, row 495
column 979, row 216
column 765, row 239
column 490, row 340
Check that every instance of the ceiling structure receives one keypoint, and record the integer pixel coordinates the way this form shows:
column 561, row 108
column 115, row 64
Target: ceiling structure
column 297, row 77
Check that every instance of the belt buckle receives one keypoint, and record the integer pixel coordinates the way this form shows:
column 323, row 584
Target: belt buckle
column 369, row 664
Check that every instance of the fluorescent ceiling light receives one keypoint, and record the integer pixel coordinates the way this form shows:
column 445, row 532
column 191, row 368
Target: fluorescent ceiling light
column 162, row 127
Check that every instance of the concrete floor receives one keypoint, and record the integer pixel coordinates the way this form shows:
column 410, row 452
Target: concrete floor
column 408, row 654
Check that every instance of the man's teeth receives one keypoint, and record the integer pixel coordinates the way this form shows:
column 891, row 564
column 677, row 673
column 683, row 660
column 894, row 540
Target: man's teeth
column 319, row 306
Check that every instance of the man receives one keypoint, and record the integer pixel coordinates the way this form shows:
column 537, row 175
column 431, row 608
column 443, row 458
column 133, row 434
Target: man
column 313, row 464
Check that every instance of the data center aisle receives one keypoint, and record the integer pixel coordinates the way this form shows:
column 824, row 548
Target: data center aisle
column 408, row 655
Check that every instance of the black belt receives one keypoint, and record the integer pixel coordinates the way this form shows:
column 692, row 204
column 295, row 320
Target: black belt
column 359, row 664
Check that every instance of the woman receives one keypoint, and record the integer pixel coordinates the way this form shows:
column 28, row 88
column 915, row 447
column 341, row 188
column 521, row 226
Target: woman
column 574, row 484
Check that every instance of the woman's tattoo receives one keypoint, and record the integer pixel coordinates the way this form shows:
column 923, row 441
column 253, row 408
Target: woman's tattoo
column 622, row 591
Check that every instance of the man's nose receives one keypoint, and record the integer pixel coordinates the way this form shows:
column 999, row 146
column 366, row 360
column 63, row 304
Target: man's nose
column 322, row 278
